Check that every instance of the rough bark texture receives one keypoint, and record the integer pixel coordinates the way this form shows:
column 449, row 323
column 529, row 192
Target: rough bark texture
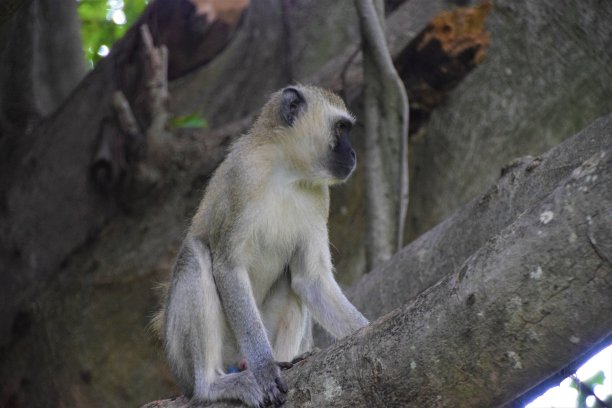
column 445, row 248
column 491, row 329
column 544, row 78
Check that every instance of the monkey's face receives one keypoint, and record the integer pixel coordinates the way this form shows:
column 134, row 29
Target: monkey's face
column 342, row 158
column 319, row 128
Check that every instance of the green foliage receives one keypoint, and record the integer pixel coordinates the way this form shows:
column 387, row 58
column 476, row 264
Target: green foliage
column 192, row 121
column 596, row 379
column 99, row 29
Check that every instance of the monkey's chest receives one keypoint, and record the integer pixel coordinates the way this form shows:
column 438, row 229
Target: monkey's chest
column 278, row 225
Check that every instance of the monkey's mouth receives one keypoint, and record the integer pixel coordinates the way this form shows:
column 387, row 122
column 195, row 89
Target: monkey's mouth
column 342, row 170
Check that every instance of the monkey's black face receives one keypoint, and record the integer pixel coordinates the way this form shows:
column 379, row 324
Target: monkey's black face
column 343, row 158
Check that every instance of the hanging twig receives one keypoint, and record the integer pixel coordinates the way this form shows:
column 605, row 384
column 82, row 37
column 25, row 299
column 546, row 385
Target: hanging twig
column 390, row 89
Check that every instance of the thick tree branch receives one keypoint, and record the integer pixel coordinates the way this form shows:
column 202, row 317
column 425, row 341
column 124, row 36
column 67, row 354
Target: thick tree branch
column 444, row 249
column 491, row 329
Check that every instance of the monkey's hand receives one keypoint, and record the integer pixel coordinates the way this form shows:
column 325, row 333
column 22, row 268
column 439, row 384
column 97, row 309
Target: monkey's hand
column 286, row 365
column 273, row 386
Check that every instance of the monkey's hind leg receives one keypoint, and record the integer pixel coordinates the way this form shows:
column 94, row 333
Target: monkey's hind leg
column 195, row 332
column 287, row 320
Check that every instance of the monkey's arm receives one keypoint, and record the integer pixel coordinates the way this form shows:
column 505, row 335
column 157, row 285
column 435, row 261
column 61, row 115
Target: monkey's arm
column 312, row 279
column 241, row 310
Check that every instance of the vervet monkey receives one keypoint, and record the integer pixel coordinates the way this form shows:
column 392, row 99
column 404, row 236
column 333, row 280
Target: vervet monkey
column 255, row 264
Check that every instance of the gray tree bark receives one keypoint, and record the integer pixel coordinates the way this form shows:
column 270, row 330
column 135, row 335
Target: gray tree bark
column 42, row 61
column 523, row 306
column 545, row 77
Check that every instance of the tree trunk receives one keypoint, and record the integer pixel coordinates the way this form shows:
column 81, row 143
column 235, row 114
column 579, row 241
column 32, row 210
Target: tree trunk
column 42, row 61
column 491, row 329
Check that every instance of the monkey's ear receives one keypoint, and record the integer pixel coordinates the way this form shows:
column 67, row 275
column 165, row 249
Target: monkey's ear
column 293, row 103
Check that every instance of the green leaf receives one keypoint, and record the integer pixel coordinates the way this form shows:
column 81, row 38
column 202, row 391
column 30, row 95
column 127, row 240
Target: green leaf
column 191, row 121
column 133, row 9
column 598, row 378
column 97, row 30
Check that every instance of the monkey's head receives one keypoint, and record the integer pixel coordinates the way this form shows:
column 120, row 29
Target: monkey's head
column 311, row 127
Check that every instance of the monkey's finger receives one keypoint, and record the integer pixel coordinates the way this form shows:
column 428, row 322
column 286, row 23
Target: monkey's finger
column 280, row 383
column 281, row 400
column 278, row 396
column 284, row 365
column 305, row 355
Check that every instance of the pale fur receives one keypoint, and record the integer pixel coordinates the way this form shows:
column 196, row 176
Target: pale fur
column 256, row 263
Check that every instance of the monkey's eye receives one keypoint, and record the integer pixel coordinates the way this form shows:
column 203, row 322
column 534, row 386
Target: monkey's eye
column 342, row 126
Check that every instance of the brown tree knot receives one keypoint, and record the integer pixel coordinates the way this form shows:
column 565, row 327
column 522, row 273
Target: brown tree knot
column 459, row 30
column 447, row 49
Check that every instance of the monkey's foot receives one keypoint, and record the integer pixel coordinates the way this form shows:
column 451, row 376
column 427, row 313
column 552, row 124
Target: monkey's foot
column 284, row 365
column 273, row 386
